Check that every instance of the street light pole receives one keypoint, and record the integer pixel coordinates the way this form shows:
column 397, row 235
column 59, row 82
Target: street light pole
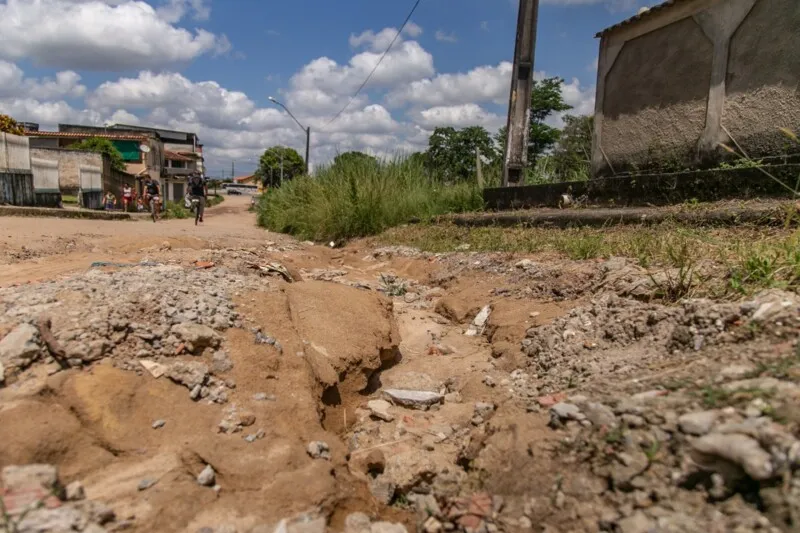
column 305, row 129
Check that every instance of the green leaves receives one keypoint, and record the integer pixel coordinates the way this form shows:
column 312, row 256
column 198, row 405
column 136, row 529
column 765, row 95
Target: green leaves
column 103, row 146
column 269, row 166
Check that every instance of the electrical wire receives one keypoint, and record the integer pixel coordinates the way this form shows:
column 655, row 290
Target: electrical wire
column 400, row 31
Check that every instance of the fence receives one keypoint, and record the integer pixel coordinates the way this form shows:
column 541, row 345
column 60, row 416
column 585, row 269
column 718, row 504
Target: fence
column 45, row 182
column 91, row 187
column 16, row 188
column 14, row 153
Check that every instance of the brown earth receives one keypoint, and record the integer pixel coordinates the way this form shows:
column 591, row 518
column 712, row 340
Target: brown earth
column 361, row 321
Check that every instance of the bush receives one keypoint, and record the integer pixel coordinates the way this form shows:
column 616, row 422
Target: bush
column 358, row 198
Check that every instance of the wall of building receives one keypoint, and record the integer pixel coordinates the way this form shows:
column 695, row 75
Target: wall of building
column 673, row 85
column 69, row 163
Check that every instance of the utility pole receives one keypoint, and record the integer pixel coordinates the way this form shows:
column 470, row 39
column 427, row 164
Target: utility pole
column 478, row 167
column 233, row 167
column 308, row 144
column 519, row 102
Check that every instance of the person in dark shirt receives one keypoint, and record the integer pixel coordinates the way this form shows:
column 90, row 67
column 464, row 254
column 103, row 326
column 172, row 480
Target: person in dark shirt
column 153, row 194
column 198, row 190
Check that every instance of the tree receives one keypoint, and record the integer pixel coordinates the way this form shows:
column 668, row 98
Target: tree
column 573, row 154
column 451, row 152
column 102, row 146
column 354, row 158
column 269, row 166
column 9, row 125
column 546, row 99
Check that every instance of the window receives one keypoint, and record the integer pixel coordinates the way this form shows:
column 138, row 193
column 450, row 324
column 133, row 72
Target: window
column 176, row 164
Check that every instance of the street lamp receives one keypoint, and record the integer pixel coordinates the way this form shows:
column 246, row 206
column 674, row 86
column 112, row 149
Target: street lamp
column 305, row 129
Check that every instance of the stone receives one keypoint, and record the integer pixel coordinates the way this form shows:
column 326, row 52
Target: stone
column 221, row 363
column 21, row 346
column 380, row 410
column 483, row 409
column 600, row 415
column 319, row 450
column 413, row 398
column 525, row 264
column 156, row 369
column 636, row 523
column 207, row 477
column 263, row 397
column 479, row 323
column 146, row 484
column 189, row 373
column 28, row 476
column 247, row 419
column 562, row 412
column 61, row 519
column 699, row 423
column 74, row 491
column 739, row 449
column 357, row 523
column 2, row 372
column 382, row 490
column 411, row 297
column 196, row 337
column 158, row 424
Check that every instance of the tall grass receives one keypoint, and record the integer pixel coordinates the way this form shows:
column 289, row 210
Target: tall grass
column 360, row 198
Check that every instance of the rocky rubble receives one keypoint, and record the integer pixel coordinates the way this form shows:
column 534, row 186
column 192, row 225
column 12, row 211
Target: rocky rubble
column 34, row 501
column 148, row 312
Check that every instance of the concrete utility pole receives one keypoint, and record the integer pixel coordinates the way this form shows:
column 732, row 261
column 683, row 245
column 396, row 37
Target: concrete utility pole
column 479, row 167
column 519, row 102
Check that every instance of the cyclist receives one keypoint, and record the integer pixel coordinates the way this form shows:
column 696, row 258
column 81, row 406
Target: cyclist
column 198, row 190
column 153, row 193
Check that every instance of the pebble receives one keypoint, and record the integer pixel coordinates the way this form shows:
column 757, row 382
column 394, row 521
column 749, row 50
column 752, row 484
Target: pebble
column 319, row 450
column 146, row 484
column 413, row 399
column 699, row 423
column 159, row 424
column 207, row 477
column 74, row 491
column 263, row 397
column 380, row 410
column 739, row 449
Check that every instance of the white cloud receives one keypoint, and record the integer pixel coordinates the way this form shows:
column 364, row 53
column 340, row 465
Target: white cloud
column 481, row 84
column 101, row 35
column 206, row 102
column 458, row 116
column 445, row 37
column 379, row 42
column 14, row 84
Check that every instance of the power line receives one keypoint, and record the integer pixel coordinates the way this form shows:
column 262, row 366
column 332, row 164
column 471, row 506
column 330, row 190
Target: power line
column 416, row 4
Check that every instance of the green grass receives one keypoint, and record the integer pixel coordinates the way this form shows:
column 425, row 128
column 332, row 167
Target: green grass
column 69, row 199
column 359, row 199
column 743, row 259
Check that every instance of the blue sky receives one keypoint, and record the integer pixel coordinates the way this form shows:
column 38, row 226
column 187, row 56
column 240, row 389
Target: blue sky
column 209, row 65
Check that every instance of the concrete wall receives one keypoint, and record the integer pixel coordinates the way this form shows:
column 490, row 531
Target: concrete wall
column 672, row 83
column 69, row 163
column 14, row 153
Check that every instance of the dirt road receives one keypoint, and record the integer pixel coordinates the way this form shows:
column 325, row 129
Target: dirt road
column 194, row 388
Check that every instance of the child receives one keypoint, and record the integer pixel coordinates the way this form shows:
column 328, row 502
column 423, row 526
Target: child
column 111, row 201
column 139, row 205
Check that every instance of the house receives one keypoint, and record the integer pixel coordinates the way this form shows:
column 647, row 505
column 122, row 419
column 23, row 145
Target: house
column 142, row 153
column 54, row 147
column 252, row 179
column 183, row 157
column 677, row 80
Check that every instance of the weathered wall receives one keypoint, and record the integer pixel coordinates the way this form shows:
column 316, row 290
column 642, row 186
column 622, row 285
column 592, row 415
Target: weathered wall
column 14, row 153
column 69, row 163
column 656, row 95
column 763, row 77
column 670, row 85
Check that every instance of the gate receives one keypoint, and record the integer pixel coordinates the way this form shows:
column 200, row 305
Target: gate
column 91, row 187
column 45, row 182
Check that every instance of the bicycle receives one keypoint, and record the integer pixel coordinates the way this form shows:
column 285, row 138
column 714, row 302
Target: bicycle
column 154, row 207
column 196, row 209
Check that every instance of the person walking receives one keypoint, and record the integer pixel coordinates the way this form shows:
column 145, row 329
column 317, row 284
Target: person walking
column 127, row 197
column 198, row 190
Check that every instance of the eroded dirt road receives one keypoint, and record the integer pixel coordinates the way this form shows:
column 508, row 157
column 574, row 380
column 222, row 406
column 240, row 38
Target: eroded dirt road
column 182, row 384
